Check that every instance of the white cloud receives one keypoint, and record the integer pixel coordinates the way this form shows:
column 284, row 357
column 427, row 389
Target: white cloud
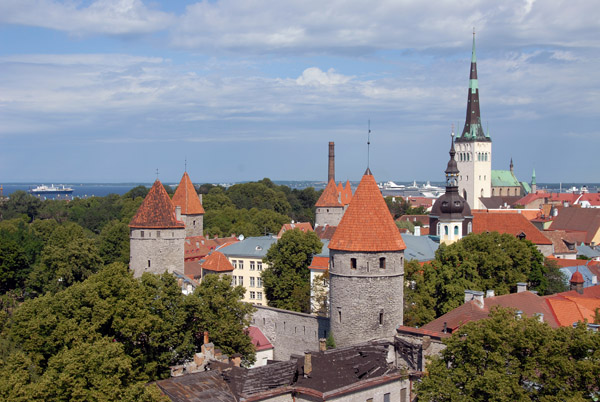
column 112, row 17
column 314, row 76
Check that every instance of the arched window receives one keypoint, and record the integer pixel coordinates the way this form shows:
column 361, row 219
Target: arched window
column 456, row 230
column 446, row 230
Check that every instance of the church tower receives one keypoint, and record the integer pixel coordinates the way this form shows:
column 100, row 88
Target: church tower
column 450, row 216
column 156, row 235
column 192, row 212
column 366, row 274
column 474, row 148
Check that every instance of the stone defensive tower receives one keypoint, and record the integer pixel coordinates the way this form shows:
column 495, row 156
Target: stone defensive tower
column 366, row 270
column 156, row 235
column 192, row 212
column 474, row 148
column 450, row 216
column 334, row 200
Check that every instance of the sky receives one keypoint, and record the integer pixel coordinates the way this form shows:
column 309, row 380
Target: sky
column 236, row 90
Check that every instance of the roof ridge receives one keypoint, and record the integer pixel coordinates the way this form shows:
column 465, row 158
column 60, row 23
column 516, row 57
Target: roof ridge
column 187, row 198
column 156, row 211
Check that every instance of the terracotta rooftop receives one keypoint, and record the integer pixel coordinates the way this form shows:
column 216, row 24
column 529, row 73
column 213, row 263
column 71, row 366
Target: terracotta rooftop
column 303, row 226
column 319, row 263
column 157, row 211
column 330, row 196
column 325, row 232
column 367, row 224
column 217, row 262
column 513, row 224
column 562, row 241
column 528, row 302
column 187, row 198
column 347, row 193
column 259, row 340
column 569, row 309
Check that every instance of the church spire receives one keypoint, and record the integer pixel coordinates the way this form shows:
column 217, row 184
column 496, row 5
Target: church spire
column 473, row 130
column 452, row 169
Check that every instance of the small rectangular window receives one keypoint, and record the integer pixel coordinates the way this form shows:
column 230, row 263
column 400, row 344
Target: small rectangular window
column 381, row 318
column 241, row 264
column 386, row 397
column 251, row 265
column 241, row 280
column 259, row 266
column 353, row 263
column 251, row 281
column 141, row 233
column 259, row 282
column 252, row 295
column 259, row 295
column 158, row 233
column 382, row 262
column 234, row 263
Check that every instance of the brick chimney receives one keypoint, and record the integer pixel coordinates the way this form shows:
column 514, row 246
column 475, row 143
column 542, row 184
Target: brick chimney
column 331, row 170
column 307, row 363
column 322, row 344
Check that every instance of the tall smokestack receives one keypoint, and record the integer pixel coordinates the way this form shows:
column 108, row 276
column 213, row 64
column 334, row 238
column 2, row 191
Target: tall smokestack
column 331, row 172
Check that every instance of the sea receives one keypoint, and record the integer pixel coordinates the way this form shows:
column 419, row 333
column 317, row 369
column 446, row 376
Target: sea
column 86, row 190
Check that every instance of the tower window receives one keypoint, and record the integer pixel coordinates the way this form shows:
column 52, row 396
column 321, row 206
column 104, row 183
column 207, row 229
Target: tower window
column 141, row 233
column 446, row 230
column 381, row 318
column 158, row 233
column 148, row 263
column 340, row 315
column 331, row 260
column 353, row 263
column 456, row 230
column 382, row 262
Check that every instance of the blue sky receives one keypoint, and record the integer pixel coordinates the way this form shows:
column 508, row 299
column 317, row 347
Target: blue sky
column 111, row 90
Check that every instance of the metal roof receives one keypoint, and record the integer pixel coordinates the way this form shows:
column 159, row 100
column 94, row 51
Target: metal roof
column 255, row 247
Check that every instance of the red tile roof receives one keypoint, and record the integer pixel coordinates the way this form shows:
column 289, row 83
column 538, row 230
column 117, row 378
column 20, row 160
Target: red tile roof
column 259, row 340
column 513, row 224
column 330, row 196
column 574, row 219
column 420, row 331
column 320, row 263
column 157, row 211
column 303, row 226
column 325, row 232
column 561, row 241
column 528, row 302
column 347, row 193
column 367, row 224
column 217, row 262
column 187, row 198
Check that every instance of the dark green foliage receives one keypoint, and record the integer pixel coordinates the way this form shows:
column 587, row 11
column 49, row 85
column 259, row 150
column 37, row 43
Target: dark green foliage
column 287, row 280
column 258, row 195
column 330, row 342
column 139, row 191
column 20, row 203
column 113, row 242
column 254, row 222
column 398, row 206
column 478, row 262
column 557, row 282
column 216, row 307
column 20, row 247
column 504, row 358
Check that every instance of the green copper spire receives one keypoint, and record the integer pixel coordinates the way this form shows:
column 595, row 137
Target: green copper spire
column 533, row 177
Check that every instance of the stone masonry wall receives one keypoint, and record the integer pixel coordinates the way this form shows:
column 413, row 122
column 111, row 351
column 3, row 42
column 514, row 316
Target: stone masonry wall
column 290, row 332
column 367, row 302
column 329, row 216
column 156, row 251
column 194, row 225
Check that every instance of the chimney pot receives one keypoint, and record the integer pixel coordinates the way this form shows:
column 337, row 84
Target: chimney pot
column 521, row 287
column 205, row 336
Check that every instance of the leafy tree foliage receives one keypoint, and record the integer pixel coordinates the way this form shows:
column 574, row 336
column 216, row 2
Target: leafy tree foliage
column 479, row 262
column 113, row 242
column 258, row 195
column 504, row 358
column 20, row 247
column 557, row 281
column 20, row 203
column 287, row 279
column 216, row 307
column 398, row 206
column 253, row 222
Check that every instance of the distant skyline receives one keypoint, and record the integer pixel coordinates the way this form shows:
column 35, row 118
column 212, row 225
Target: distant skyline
column 111, row 90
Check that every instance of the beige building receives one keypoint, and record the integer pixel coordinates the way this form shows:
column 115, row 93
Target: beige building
column 246, row 258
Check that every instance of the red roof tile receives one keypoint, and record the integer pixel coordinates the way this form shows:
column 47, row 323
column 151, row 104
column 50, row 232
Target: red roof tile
column 367, row 224
column 347, row 193
column 217, row 262
column 259, row 340
column 157, row 211
column 561, row 241
column 330, row 196
column 320, row 263
column 513, row 224
column 187, row 198
column 303, row 226
column 325, row 232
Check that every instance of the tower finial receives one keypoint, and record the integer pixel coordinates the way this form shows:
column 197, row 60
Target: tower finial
column 185, row 165
column 156, row 173
column 368, row 143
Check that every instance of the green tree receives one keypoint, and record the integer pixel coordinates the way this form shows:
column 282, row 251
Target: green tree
column 479, row 262
column 557, row 281
column 258, row 195
column 406, row 225
column 113, row 242
column 287, row 279
column 504, row 358
column 137, row 192
column 216, row 307
column 216, row 199
column 20, row 203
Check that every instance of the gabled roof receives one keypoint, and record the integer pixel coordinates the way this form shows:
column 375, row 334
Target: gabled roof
column 319, row 263
column 513, row 224
column 325, row 232
column 157, row 211
column 499, row 201
column 259, row 340
column 303, row 226
column 217, row 262
column 186, row 197
column 330, row 196
column 347, row 193
column 367, row 224
column 578, row 219
column 563, row 242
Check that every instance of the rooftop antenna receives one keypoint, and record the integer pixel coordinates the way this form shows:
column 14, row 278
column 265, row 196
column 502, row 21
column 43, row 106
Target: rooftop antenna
column 368, row 142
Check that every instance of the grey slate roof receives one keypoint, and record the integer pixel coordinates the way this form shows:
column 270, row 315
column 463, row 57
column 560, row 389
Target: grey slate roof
column 325, row 250
column 202, row 386
column 252, row 247
column 420, row 248
column 583, row 269
column 588, row 251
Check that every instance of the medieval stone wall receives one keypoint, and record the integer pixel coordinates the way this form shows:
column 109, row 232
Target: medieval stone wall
column 290, row 332
column 329, row 216
column 366, row 302
column 156, row 251
column 194, row 225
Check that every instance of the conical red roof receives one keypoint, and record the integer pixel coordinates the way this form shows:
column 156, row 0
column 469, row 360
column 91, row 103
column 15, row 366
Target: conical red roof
column 330, row 196
column 157, row 210
column 577, row 277
column 367, row 224
column 187, row 198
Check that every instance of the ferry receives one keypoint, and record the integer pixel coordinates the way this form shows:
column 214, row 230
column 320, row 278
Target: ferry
column 51, row 190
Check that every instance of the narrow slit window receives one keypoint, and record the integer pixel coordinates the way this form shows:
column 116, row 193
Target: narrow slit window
column 353, row 263
column 382, row 262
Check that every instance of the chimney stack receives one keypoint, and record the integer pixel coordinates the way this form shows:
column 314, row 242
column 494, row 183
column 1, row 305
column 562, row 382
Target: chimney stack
column 521, row 287
column 331, row 171
column 307, row 363
column 205, row 336
column 322, row 344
